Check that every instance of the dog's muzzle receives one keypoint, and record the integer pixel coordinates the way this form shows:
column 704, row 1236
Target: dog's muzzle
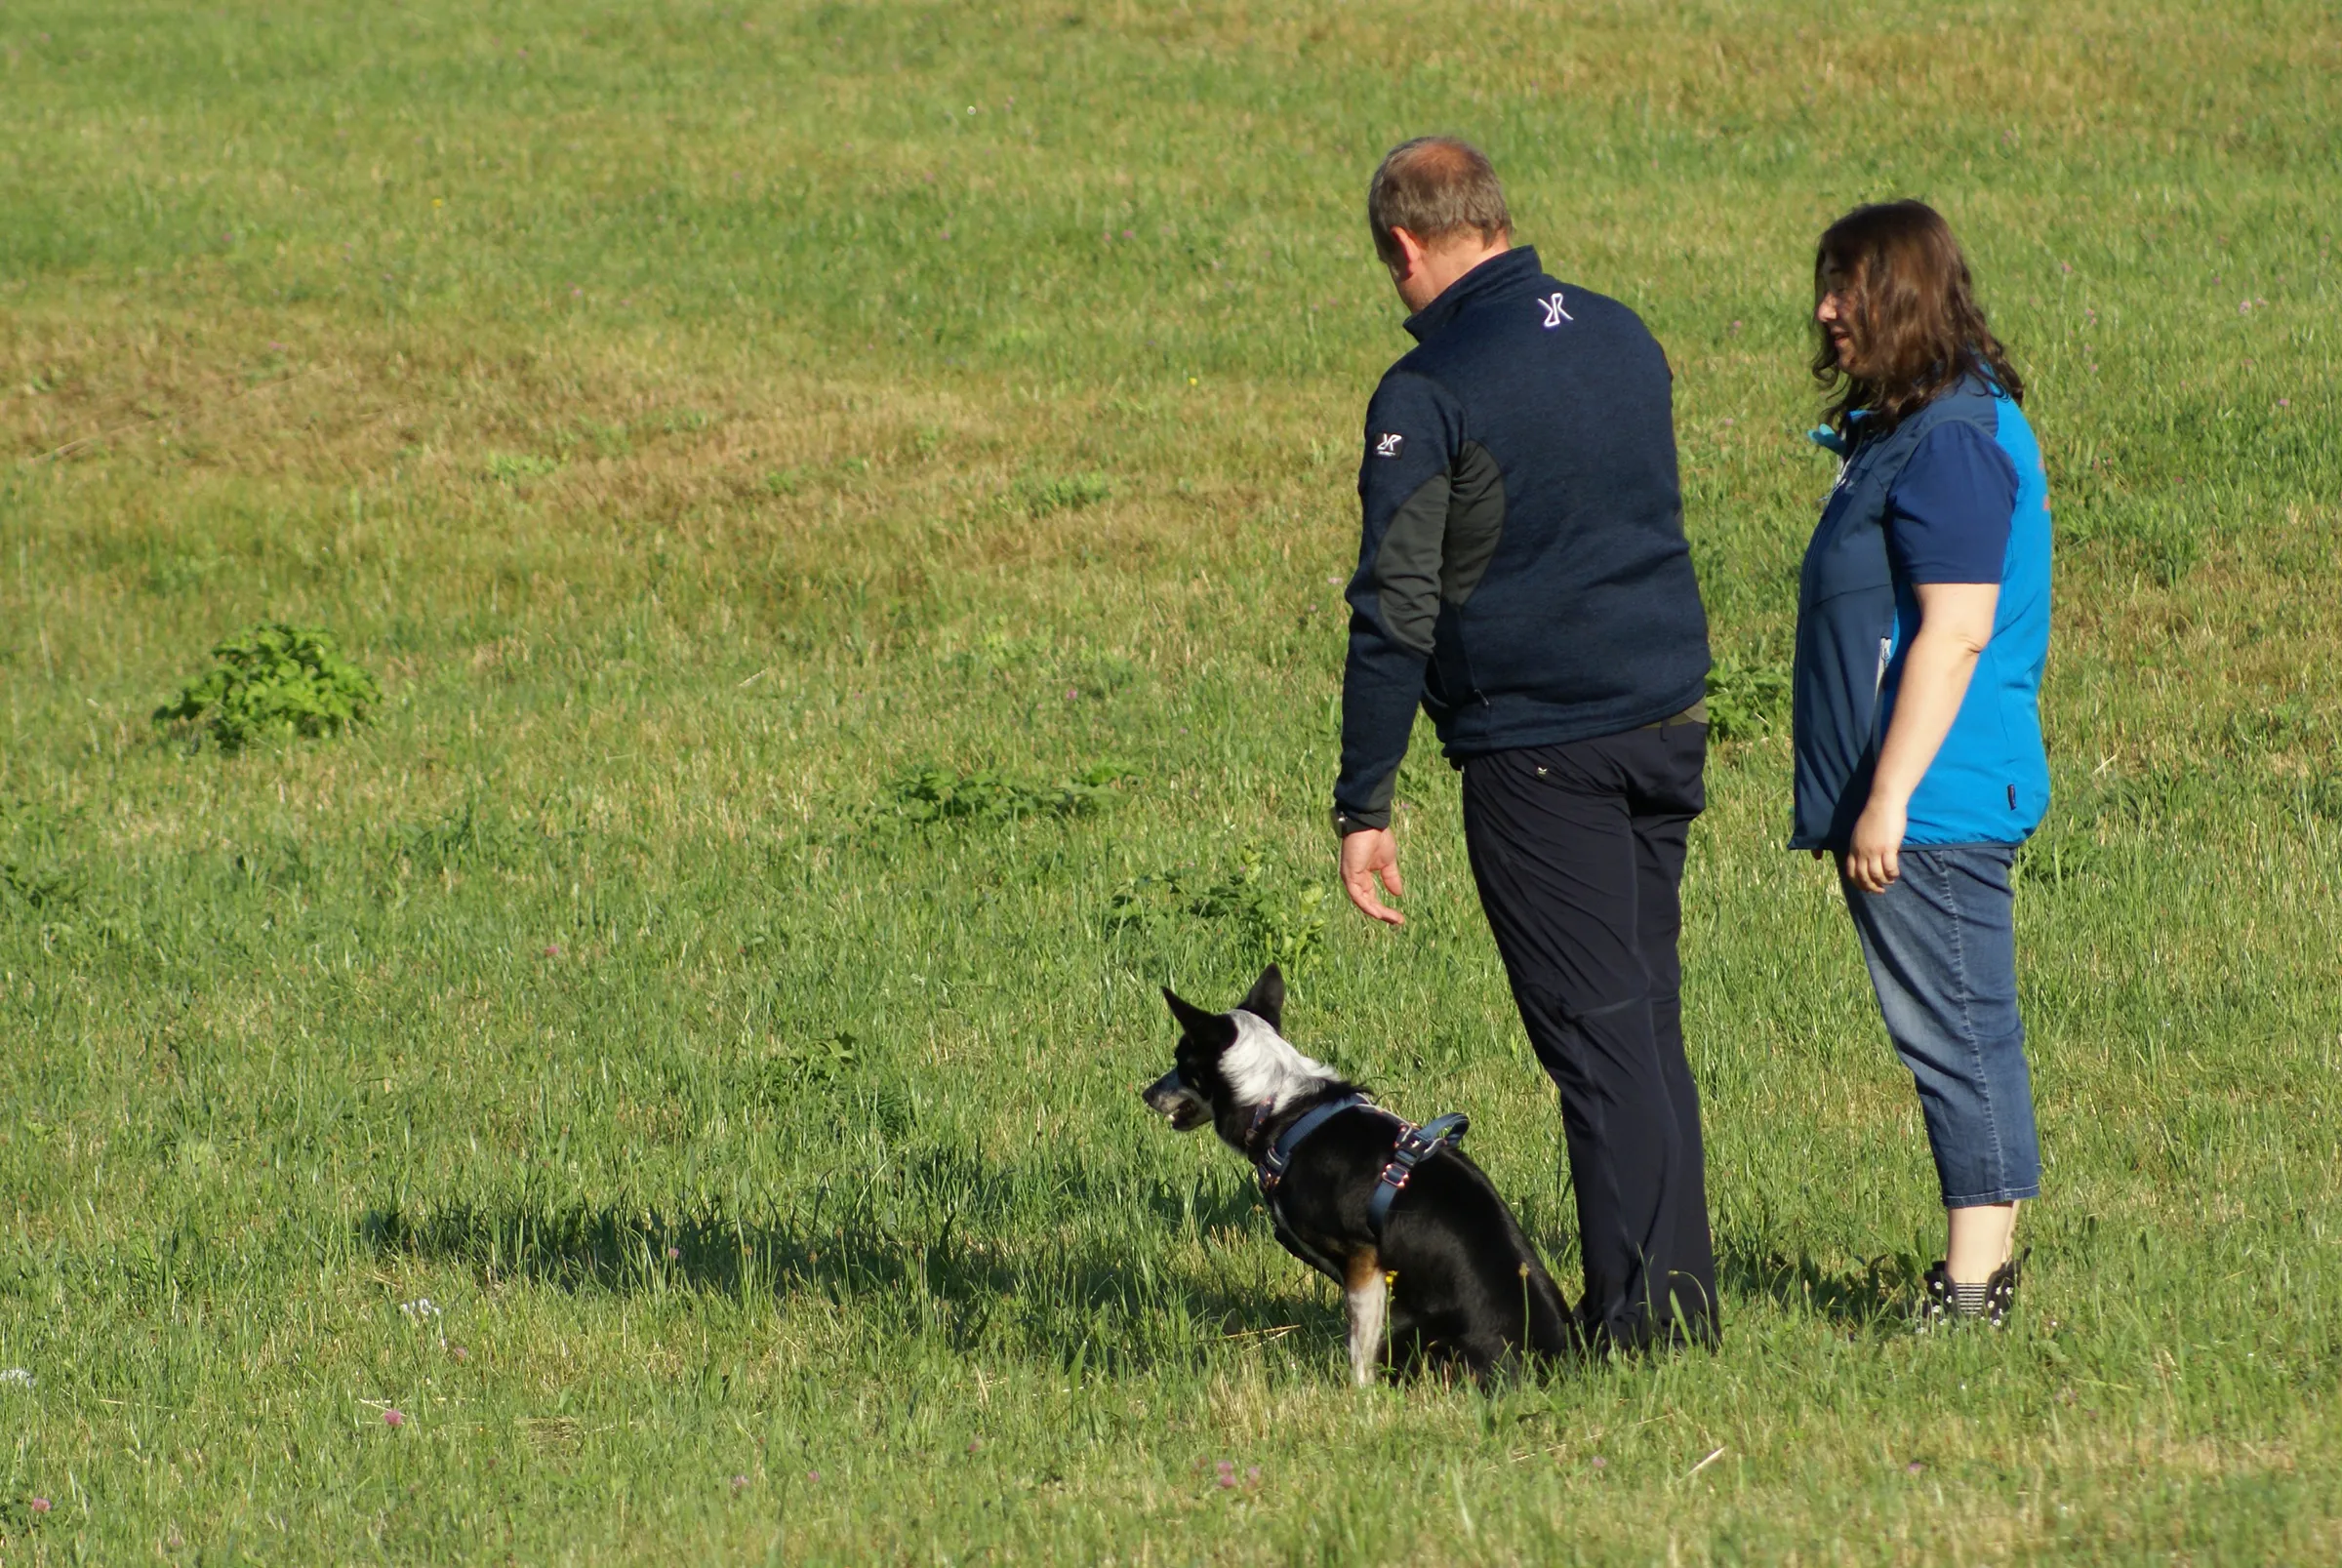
column 1173, row 1100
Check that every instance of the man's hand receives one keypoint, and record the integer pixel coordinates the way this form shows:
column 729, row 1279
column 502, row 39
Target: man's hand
column 1874, row 855
column 1365, row 856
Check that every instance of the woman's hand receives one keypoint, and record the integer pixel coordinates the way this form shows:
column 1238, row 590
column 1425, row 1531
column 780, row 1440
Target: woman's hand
column 1874, row 855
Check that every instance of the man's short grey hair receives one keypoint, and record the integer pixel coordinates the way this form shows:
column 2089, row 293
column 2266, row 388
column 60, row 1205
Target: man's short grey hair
column 1434, row 187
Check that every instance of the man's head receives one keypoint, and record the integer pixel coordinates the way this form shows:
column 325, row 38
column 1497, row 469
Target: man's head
column 1437, row 212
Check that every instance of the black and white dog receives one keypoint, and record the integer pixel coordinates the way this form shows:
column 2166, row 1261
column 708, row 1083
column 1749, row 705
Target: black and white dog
column 1431, row 1260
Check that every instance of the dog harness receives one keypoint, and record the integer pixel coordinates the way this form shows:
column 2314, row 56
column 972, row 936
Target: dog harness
column 1414, row 1146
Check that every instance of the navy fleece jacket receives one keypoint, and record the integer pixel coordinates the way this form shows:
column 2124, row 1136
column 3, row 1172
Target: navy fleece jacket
column 1522, row 572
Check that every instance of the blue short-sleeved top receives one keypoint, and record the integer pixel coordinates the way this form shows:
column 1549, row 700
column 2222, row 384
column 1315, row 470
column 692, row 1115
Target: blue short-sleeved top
column 1954, row 493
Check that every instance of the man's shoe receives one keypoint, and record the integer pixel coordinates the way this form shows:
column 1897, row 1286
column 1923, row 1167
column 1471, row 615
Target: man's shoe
column 1943, row 1304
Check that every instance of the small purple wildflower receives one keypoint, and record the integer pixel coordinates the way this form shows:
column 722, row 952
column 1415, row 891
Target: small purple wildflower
column 40, row 1505
column 975, row 1443
column 2284, row 402
column 1130, row 233
column 1252, row 1474
column 1601, row 1462
column 673, row 1253
column 553, row 950
column 394, row 1418
column 815, row 1476
column 739, row 1481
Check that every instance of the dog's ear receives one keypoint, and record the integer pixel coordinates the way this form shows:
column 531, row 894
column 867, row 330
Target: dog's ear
column 1194, row 1020
column 1267, row 998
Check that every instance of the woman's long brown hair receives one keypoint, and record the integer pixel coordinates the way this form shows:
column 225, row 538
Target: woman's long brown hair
column 1915, row 327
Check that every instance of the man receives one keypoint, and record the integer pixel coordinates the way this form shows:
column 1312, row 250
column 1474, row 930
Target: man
column 1523, row 575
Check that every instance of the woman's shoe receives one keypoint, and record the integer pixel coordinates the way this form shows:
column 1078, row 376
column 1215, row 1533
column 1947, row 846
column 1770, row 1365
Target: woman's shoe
column 1943, row 1304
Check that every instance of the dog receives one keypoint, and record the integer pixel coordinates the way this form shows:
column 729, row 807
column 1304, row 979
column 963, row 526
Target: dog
column 1434, row 1268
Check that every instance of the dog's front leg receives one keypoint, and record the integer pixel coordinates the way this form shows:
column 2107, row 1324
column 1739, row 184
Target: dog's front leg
column 1368, row 1295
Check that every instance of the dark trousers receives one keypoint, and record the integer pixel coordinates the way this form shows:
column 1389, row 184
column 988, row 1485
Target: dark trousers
column 1577, row 851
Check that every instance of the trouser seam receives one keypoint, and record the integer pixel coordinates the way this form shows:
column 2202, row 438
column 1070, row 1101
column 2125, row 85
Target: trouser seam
column 1968, row 1013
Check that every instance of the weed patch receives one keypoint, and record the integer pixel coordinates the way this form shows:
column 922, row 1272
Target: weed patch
column 1040, row 497
column 513, row 468
column 937, row 796
column 473, row 834
column 1274, row 919
column 798, row 1062
column 1745, row 698
column 273, row 680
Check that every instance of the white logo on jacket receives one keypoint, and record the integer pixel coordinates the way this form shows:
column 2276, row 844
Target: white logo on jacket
column 1387, row 446
column 1555, row 315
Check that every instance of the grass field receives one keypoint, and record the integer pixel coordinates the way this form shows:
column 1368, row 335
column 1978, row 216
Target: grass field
column 846, row 504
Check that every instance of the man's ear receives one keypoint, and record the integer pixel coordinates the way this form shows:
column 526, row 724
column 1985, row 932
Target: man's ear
column 1194, row 1020
column 1267, row 998
column 1411, row 252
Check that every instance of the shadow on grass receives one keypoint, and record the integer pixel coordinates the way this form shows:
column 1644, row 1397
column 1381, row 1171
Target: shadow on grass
column 1875, row 1295
column 939, row 1272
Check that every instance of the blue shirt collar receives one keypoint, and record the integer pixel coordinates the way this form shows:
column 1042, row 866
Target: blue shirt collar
column 1496, row 273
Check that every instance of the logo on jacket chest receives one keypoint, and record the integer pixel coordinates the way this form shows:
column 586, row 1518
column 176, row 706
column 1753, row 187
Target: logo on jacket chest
column 1387, row 446
column 1555, row 315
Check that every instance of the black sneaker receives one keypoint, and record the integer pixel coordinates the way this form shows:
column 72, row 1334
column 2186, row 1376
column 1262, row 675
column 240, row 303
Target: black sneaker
column 1940, row 1306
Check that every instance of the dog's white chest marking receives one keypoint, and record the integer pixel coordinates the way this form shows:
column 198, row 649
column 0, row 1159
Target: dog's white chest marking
column 1262, row 1067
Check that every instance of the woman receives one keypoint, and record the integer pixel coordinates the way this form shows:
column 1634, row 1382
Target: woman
column 1923, row 628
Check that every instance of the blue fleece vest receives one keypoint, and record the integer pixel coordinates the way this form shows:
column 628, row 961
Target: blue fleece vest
column 1989, row 783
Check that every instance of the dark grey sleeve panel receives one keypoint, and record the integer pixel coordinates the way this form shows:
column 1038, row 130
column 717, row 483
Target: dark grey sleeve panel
column 1476, row 522
column 1407, row 570
column 1414, row 435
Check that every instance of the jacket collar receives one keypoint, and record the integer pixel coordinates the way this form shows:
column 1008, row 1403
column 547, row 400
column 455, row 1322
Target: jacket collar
column 1497, row 273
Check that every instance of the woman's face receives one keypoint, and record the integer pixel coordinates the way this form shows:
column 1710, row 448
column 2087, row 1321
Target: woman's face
column 1836, row 313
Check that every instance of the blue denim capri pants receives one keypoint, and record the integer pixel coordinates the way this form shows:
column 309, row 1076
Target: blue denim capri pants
column 1942, row 949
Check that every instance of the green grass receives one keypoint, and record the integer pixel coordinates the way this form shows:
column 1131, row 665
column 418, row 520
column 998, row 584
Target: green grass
column 844, row 501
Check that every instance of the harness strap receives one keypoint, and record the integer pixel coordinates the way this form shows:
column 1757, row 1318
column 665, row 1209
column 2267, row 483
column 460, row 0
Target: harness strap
column 1280, row 1154
column 1414, row 1146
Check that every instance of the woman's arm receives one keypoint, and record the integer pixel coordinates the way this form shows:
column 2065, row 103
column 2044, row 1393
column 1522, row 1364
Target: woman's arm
column 1956, row 621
